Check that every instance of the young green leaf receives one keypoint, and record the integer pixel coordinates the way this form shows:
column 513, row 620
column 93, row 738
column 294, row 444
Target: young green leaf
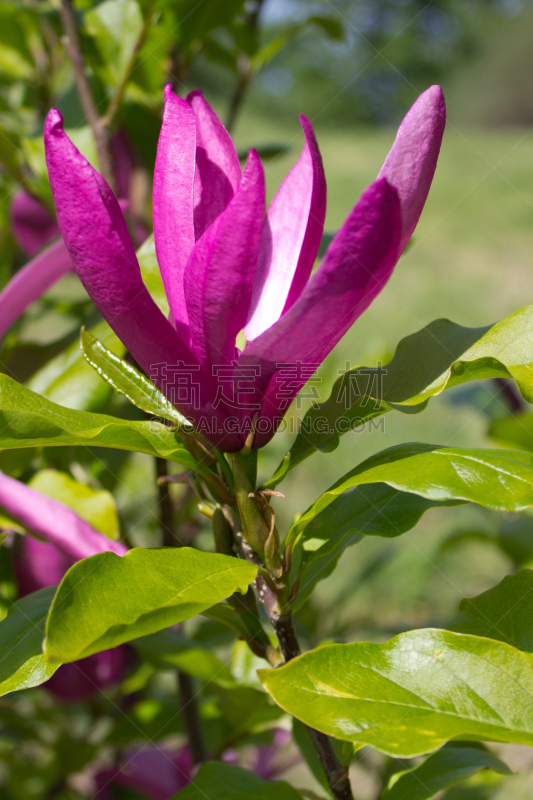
column 22, row 663
column 498, row 479
column 373, row 510
column 387, row 494
column 448, row 767
column 439, row 356
column 412, row 694
column 27, row 419
column 103, row 602
column 127, row 380
column 219, row 781
column 504, row 612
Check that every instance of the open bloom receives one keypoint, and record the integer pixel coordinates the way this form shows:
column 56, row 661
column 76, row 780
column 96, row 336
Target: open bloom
column 227, row 267
column 37, row 564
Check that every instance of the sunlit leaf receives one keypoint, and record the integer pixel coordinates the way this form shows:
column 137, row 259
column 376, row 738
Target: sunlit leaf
column 438, row 357
column 27, row 419
column 387, row 494
column 412, row 694
column 103, row 602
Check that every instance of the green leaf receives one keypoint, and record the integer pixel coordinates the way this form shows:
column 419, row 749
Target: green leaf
column 374, row 510
column 168, row 649
column 98, row 507
column 22, row 663
column 106, row 600
column 127, row 380
column 401, row 483
column 222, row 782
column 412, row 694
column 451, row 765
column 438, row 357
column 516, row 431
column 116, row 26
column 27, row 419
column 70, row 381
column 504, row 612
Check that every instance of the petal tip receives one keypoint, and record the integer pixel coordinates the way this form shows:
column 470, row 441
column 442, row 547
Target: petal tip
column 193, row 95
column 54, row 123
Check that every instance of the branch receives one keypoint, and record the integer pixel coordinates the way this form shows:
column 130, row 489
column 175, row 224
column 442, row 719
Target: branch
column 166, row 512
column 191, row 718
column 114, row 105
column 188, row 704
column 72, row 44
column 337, row 775
column 244, row 70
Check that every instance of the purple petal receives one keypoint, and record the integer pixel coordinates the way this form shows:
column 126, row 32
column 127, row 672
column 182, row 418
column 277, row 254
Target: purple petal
column 291, row 238
column 173, row 201
column 97, row 238
column 31, row 282
column 38, row 564
column 411, row 163
column 52, row 520
column 220, row 273
column 32, row 224
column 87, row 677
column 218, row 172
column 356, row 267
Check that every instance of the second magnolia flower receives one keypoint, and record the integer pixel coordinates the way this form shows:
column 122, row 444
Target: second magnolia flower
column 227, row 267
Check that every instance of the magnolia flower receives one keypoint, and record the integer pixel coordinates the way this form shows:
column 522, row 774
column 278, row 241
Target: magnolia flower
column 227, row 267
column 37, row 564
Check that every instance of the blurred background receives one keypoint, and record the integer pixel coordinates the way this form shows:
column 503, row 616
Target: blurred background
column 354, row 67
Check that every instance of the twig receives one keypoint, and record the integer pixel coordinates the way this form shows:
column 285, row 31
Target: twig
column 244, row 69
column 166, row 512
column 187, row 698
column 336, row 774
column 513, row 397
column 191, row 718
column 114, row 105
column 73, row 46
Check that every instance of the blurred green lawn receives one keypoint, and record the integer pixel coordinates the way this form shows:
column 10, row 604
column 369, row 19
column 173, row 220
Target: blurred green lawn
column 471, row 261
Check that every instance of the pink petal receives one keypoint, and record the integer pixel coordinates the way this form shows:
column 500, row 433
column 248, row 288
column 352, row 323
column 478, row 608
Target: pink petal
column 38, row 564
column 31, row 282
column 98, row 241
column 220, row 272
column 356, row 267
column 52, row 520
column 411, row 163
column 218, row 172
column 32, row 224
column 173, row 202
column 291, row 238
